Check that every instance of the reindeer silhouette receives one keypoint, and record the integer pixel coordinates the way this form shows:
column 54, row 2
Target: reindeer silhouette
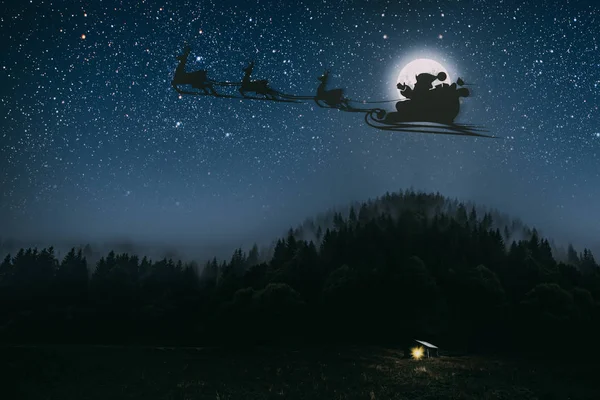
column 197, row 79
column 258, row 87
column 332, row 98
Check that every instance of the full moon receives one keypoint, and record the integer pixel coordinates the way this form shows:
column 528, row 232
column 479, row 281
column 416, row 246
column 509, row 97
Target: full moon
column 408, row 74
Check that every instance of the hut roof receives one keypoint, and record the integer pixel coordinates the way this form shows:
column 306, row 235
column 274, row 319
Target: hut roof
column 426, row 344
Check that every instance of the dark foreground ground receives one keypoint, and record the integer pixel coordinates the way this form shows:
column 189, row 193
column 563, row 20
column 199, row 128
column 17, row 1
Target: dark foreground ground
column 86, row 372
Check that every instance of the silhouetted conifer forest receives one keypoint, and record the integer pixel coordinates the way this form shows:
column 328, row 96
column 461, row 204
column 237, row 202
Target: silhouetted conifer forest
column 406, row 265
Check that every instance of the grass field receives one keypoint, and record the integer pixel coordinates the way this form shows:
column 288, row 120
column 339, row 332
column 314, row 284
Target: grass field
column 86, row 372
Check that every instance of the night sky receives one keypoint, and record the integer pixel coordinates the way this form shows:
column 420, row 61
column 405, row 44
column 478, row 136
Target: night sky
column 96, row 145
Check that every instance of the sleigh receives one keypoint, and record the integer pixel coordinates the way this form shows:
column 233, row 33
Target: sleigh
column 431, row 112
column 440, row 105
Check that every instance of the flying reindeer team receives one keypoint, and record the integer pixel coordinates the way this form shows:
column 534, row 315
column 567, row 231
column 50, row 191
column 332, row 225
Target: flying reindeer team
column 424, row 102
column 422, row 90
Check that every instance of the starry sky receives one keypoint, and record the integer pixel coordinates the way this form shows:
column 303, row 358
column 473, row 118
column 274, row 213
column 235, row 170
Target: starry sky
column 95, row 144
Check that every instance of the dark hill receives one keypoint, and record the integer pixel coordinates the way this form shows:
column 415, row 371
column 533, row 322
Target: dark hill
column 382, row 272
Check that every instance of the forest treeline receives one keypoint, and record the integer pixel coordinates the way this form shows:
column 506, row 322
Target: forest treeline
column 400, row 267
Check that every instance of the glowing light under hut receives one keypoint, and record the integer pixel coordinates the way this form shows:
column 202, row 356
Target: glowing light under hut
column 417, row 352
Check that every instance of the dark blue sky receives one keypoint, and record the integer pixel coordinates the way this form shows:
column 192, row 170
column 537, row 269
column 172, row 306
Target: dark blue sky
column 95, row 144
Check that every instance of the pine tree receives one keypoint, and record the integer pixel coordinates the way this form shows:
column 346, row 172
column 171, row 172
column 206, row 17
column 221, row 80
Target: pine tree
column 572, row 257
column 473, row 217
column 506, row 233
column 352, row 217
column 252, row 259
column 319, row 233
column 209, row 275
column 588, row 263
column 363, row 214
column 6, row 267
column 338, row 221
column 461, row 214
column 72, row 278
column 487, row 221
column 291, row 246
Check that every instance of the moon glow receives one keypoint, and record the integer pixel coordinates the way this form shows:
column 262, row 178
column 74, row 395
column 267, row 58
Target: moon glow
column 408, row 74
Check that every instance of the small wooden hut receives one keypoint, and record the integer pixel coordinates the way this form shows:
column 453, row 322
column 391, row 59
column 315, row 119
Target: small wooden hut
column 430, row 350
